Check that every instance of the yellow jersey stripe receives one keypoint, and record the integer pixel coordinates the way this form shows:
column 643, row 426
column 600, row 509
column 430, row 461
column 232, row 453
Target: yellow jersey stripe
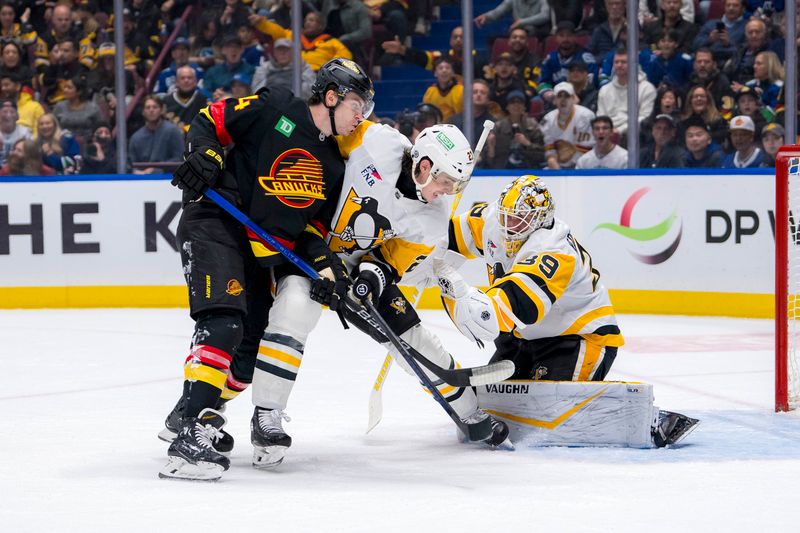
column 279, row 355
column 594, row 314
column 590, row 359
column 206, row 374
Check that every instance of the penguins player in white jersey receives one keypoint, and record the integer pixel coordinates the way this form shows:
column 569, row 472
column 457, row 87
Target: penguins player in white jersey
column 545, row 309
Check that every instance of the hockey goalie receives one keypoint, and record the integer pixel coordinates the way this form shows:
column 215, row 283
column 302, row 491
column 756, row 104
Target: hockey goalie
column 546, row 310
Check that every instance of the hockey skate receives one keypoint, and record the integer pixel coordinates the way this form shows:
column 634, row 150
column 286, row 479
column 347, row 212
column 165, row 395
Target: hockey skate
column 270, row 441
column 671, row 428
column 192, row 455
column 172, row 424
column 487, row 430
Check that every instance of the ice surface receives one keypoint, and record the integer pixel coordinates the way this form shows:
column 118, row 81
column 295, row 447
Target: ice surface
column 86, row 392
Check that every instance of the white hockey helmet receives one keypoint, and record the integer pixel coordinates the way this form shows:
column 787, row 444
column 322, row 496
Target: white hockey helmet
column 524, row 206
column 449, row 153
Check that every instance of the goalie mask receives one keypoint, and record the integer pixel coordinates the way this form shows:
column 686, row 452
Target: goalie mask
column 450, row 156
column 524, row 206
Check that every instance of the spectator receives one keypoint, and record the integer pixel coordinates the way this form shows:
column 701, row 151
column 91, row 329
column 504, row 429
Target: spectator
column 516, row 141
column 59, row 148
column 63, row 66
column 670, row 19
column 569, row 10
column 533, row 15
column 447, row 93
column 739, row 68
column 748, row 103
column 662, row 152
column 219, row 77
column 649, row 10
column 277, row 72
column 204, row 46
column 76, row 112
column 480, row 108
column 100, row 153
column 167, row 78
column 747, row 154
column 241, row 86
column 10, row 131
column 318, row 47
column 701, row 152
column 148, row 20
column 390, row 21
column 567, row 129
column 610, row 34
column 665, row 64
column 586, row 92
column 233, row 16
column 504, row 82
column 724, row 35
column 612, row 101
column 21, row 32
column 605, row 153
column 700, row 104
column 349, row 21
column 63, row 28
column 411, row 123
column 141, row 42
column 157, row 141
column 183, row 104
column 526, row 61
column 281, row 12
column 554, row 68
column 253, row 51
column 668, row 102
column 767, row 79
column 772, row 139
column 427, row 59
column 715, row 82
column 12, row 65
column 28, row 109
column 25, row 159
column 103, row 77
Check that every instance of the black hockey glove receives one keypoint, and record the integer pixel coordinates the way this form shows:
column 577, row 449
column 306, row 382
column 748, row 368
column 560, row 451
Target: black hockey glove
column 370, row 283
column 198, row 172
column 332, row 285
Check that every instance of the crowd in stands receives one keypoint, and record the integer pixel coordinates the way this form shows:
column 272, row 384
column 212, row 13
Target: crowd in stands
column 710, row 76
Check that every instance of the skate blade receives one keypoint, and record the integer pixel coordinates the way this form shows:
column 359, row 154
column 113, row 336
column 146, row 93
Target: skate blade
column 167, row 435
column 505, row 446
column 267, row 457
column 179, row 468
column 692, row 424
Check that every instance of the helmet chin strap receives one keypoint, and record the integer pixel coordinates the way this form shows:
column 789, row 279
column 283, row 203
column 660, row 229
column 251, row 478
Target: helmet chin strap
column 331, row 111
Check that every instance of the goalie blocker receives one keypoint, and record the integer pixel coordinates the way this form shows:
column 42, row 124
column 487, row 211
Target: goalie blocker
column 583, row 413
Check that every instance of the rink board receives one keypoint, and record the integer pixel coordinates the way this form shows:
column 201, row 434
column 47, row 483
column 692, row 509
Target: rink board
column 664, row 242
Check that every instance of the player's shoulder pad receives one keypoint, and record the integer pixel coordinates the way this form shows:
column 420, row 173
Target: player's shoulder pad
column 279, row 97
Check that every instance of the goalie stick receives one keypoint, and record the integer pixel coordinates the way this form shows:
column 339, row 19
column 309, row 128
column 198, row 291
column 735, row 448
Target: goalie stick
column 380, row 325
column 375, row 406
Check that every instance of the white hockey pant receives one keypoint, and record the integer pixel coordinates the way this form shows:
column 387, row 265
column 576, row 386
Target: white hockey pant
column 461, row 399
column 280, row 352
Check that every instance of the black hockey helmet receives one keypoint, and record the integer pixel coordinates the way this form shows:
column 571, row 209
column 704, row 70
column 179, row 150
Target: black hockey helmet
column 345, row 76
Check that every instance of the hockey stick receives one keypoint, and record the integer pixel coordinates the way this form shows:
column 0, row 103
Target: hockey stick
column 375, row 406
column 471, row 431
column 459, row 377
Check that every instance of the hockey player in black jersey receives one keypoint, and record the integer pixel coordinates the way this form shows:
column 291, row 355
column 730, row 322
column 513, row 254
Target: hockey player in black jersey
column 284, row 170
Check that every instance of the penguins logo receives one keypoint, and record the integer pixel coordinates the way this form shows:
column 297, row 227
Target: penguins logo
column 295, row 179
column 360, row 226
column 399, row 305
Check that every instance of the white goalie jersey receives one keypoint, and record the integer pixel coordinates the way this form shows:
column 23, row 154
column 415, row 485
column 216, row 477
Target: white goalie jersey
column 373, row 216
column 546, row 288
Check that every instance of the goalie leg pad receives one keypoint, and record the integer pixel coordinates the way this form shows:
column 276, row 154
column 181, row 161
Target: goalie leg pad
column 573, row 413
column 462, row 399
column 280, row 352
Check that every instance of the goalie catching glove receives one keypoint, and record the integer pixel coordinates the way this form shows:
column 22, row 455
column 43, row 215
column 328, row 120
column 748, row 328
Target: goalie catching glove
column 470, row 309
column 198, row 172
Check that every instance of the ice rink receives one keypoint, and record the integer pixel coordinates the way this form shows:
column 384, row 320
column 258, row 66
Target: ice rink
column 87, row 390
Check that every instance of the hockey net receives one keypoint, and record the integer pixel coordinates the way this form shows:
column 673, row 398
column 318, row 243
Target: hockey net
column 787, row 279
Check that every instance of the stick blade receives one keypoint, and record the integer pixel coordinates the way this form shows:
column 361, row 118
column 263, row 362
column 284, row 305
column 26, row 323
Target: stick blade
column 499, row 371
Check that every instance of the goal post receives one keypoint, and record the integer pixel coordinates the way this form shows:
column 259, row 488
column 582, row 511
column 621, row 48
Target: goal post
column 787, row 279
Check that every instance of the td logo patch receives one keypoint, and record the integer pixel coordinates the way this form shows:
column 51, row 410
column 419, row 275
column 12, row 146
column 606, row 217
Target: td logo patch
column 285, row 126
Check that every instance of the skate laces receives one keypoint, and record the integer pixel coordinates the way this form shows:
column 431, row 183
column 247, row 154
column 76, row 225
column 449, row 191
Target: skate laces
column 207, row 434
column 270, row 420
column 478, row 416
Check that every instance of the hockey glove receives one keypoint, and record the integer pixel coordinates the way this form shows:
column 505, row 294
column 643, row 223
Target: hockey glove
column 369, row 284
column 198, row 172
column 332, row 285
